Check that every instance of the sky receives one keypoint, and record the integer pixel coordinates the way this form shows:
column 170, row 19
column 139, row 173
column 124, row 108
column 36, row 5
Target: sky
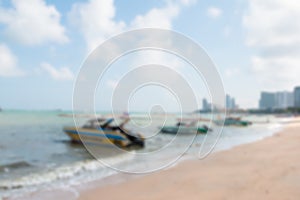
column 254, row 44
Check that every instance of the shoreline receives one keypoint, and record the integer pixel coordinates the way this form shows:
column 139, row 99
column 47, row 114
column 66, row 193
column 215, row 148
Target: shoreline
column 119, row 180
column 263, row 169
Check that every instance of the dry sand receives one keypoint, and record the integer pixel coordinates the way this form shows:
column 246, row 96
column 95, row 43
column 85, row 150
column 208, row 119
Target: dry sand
column 267, row 169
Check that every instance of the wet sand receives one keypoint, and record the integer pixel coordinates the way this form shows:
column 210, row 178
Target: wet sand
column 267, row 169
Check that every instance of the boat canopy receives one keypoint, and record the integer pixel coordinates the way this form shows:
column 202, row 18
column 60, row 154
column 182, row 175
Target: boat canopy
column 105, row 123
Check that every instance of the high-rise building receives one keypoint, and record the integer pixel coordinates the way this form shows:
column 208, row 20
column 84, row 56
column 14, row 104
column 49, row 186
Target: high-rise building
column 234, row 106
column 267, row 100
column 230, row 102
column 276, row 100
column 297, row 97
column 284, row 100
column 205, row 105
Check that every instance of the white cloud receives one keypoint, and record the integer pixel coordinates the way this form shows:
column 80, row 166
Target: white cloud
column 8, row 63
column 63, row 74
column 278, row 72
column 272, row 22
column 96, row 26
column 32, row 22
column 96, row 19
column 157, row 17
column 272, row 29
column 187, row 2
column 231, row 72
column 214, row 12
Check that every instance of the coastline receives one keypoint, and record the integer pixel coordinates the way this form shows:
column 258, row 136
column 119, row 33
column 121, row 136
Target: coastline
column 264, row 169
column 92, row 189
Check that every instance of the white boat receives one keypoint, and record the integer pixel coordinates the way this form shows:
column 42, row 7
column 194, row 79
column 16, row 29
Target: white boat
column 101, row 131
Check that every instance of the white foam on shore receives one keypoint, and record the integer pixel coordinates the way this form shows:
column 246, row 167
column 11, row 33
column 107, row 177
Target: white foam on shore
column 270, row 130
column 66, row 175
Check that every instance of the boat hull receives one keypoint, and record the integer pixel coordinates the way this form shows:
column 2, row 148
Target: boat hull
column 94, row 136
column 185, row 130
column 229, row 122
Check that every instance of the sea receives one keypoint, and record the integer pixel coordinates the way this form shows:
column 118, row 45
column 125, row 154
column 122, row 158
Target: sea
column 36, row 154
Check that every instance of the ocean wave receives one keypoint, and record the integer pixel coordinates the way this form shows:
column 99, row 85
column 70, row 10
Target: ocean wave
column 15, row 165
column 62, row 173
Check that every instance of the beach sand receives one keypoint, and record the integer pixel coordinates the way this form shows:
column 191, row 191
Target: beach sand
column 267, row 169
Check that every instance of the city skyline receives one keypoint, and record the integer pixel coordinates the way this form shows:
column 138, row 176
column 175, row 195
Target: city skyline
column 280, row 99
column 268, row 100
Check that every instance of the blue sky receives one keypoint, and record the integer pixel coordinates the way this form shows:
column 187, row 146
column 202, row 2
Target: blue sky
column 43, row 43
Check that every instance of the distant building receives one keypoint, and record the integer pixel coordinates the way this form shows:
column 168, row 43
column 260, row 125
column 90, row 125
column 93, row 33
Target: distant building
column 284, row 100
column 234, row 106
column 267, row 100
column 205, row 105
column 297, row 97
column 230, row 102
column 276, row 100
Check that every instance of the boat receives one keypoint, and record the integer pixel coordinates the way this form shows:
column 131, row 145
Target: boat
column 185, row 128
column 233, row 121
column 105, row 131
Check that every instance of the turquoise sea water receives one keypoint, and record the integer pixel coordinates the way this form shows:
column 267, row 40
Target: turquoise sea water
column 35, row 153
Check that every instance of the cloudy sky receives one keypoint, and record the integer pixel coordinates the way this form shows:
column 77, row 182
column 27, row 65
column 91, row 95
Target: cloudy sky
column 255, row 44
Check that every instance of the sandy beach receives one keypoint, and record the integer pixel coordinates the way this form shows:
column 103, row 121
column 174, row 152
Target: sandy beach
column 267, row 169
column 105, row 99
